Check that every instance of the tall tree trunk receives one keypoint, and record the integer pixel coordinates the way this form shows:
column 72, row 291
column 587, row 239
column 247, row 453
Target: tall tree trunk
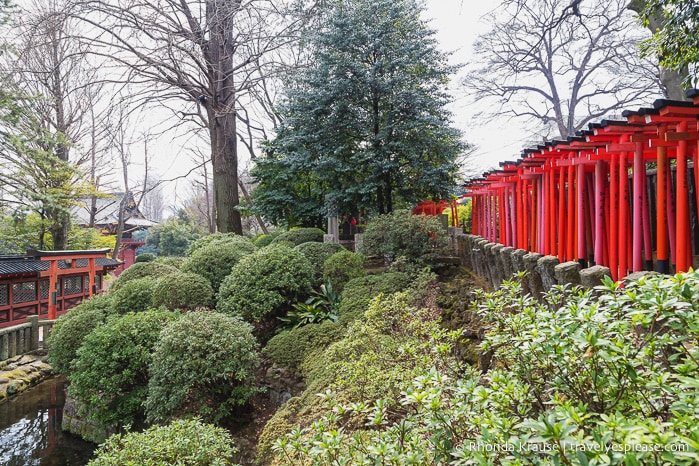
column 670, row 79
column 247, row 197
column 222, row 120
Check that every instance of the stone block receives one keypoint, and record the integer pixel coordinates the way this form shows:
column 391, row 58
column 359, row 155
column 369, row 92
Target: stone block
column 636, row 276
column 506, row 260
column 567, row 273
column 592, row 276
column 533, row 279
column 545, row 266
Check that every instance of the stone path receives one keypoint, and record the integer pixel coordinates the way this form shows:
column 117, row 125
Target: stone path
column 20, row 373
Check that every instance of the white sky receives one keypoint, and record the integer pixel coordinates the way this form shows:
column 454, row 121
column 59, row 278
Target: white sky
column 458, row 23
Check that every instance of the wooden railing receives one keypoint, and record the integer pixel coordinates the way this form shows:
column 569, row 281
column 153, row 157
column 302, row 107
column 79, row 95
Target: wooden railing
column 24, row 338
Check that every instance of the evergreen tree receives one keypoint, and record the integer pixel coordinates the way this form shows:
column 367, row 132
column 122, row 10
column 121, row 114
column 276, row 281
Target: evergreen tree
column 365, row 124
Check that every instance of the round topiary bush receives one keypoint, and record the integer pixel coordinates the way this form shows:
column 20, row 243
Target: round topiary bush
column 359, row 292
column 145, row 257
column 416, row 237
column 70, row 330
column 218, row 238
column 186, row 442
column 215, row 260
column 203, row 364
column 141, row 270
column 317, row 253
column 265, row 240
column 176, row 262
column 134, row 296
column 342, row 267
column 266, row 283
column 110, row 374
column 300, row 236
column 183, row 291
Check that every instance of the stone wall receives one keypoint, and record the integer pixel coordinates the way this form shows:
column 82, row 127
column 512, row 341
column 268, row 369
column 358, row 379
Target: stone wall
column 497, row 263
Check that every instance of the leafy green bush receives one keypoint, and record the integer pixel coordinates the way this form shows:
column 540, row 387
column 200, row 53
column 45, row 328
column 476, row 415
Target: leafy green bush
column 176, row 262
column 317, row 253
column 187, row 442
column 299, row 236
column 141, row 270
column 265, row 240
column 145, row 257
column 71, row 328
column 266, row 283
column 359, row 292
column 291, row 347
column 110, row 373
column 134, row 296
column 342, row 267
column 219, row 238
column 203, row 364
column 416, row 237
column 216, row 259
column 577, row 379
column 182, row 291
column 321, row 306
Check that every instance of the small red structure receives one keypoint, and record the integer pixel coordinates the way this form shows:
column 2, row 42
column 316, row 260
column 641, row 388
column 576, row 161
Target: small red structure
column 437, row 208
column 48, row 283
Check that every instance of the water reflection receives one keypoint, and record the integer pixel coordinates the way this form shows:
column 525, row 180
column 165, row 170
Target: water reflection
column 30, row 430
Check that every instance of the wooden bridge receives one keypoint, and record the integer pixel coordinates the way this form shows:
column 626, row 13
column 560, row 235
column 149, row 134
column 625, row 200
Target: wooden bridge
column 622, row 194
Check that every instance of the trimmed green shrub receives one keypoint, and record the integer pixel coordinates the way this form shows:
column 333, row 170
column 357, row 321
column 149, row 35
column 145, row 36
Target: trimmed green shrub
column 317, row 253
column 184, row 442
column 416, row 237
column 203, row 364
column 215, row 260
column 145, row 257
column 134, row 296
column 342, row 267
column 359, row 292
column 70, row 330
column 290, row 348
column 141, row 270
column 172, row 261
column 300, row 236
column 265, row 240
column 219, row 238
column 183, row 291
column 110, row 375
column 266, row 283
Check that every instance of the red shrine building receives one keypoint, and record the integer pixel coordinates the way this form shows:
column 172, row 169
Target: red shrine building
column 48, row 283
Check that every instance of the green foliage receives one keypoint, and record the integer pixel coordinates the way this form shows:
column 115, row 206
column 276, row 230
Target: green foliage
column 176, row 262
column 415, row 237
column 359, row 292
column 184, row 442
column 145, row 257
column 89, row 238
column 219, row 238
column 173, row 237
column 110, row 374
column 316, row 253
column 70, row 330
column 266, row 283
column 134, row 296
column 577, row 379
column 299, row 236
column 291, row 347
column 676, row 43
column 366, row 125
column 215, row 259
column 321, row 306
column 265, row 240
column 342, row 267
column 203, row 364
column 152, row 270
column 183, row 291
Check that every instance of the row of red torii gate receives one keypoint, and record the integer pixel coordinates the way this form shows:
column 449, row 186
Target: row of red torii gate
column 622, row 194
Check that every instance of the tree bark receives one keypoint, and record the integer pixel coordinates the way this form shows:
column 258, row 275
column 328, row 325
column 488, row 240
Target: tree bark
column 671, row 80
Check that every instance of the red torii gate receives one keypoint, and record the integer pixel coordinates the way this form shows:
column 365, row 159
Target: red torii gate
column 587, row 199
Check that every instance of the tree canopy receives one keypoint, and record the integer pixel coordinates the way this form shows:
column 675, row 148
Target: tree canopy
column 676, row 40
column 364, row 125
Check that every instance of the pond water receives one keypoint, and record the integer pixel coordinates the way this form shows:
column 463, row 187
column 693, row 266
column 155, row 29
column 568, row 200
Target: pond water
column 30, row 430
